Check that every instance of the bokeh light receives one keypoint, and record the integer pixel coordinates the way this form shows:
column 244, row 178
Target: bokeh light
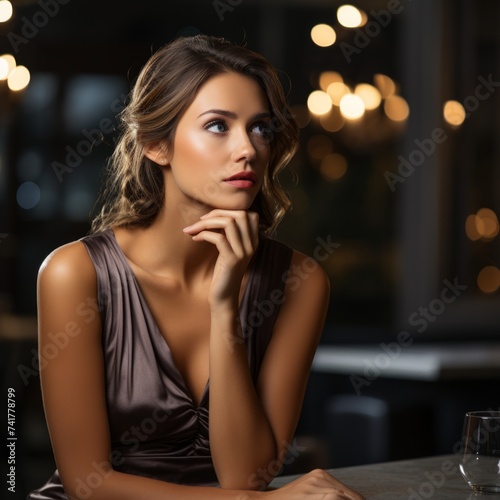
column 323, row 35
column 28, row 195
column 333, row 166
column 482, row 225
column 349, row 16
column 352, row 107
column 487, row 223
column 488, row 279
column 336, row 91
column 385, row 85
column 7, row 64
column 332, row 121
column 18, row 78
column 396, row 108
column 327, row 78
column 471, row 228
column 370, row 95
column 454, row 113
column 5, row 10
column 319, row 103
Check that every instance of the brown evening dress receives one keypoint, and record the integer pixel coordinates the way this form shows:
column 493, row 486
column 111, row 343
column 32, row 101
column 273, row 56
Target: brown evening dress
column 157, row 430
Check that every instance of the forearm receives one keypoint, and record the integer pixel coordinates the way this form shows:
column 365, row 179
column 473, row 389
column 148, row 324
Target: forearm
column 241, row 439
column 119, row 486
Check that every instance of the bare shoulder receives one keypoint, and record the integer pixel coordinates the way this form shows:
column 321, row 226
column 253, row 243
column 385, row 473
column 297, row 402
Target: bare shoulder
column 305, row 277
column 68, row 264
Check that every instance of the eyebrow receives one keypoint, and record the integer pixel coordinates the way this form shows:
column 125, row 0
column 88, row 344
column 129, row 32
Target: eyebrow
column 232, row 115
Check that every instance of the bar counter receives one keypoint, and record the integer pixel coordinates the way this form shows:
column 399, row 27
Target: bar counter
column 417, row 479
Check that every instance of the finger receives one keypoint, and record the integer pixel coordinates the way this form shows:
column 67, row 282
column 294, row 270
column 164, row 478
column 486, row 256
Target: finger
column 217, row 239
column 212, row 223
column 244, row 240
column 222, row 212
column 247, row 220
column 342, row 488
column 323, row 480
column 230, row 228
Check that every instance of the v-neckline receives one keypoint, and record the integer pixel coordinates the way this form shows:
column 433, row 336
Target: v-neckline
column 157, row 329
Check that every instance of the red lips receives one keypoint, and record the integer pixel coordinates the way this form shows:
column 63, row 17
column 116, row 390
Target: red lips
column 242, row 180
column 243, row 176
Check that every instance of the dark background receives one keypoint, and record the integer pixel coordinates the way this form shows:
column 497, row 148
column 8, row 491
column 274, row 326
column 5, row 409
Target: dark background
column 395, row 246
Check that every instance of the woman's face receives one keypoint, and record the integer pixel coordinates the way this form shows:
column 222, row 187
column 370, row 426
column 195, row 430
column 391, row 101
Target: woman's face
column 221, row 147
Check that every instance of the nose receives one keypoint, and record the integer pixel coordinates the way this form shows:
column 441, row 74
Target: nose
column 244, row 148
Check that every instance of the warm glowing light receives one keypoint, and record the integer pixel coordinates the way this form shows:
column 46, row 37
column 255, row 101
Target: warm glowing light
column 18, row 78
column 487, row 223
column 328, row 77
column 364, row 18
column 7, row 64
column 352, row 107
column 5, row 10
column 454, row 113
column 482, row 225
column 349, row 16
column 333, row 121
column 396, row 108
column 4, row 69
column 471, row 228
column 319, row 146
column 488, row 279
column 385, row 85
column 336, row 91
column 323, row 35
column 333, row 166
column 370, row 95
column 319, row 102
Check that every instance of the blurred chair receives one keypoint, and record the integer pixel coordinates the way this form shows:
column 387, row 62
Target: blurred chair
column 358, row 430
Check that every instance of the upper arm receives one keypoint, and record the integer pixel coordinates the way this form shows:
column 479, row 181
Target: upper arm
column 287, row 362
column 71, row 364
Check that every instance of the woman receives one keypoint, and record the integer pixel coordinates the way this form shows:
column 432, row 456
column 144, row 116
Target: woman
column 179, row 302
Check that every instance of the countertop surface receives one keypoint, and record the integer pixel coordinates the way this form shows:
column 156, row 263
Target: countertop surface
column 415, row 362
column 422, row 478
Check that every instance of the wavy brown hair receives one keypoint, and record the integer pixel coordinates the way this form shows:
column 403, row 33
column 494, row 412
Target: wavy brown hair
column 166, row 86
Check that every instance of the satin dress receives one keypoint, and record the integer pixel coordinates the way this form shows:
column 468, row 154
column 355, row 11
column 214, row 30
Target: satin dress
column 157, row 430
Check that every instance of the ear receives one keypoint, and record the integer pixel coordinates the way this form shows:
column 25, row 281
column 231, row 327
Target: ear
column 157, row 153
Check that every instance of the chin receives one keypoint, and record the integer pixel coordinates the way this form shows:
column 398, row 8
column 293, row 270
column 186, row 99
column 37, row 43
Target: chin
column 232, row 204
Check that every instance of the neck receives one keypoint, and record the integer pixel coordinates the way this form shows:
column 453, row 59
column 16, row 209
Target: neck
column 165, row 250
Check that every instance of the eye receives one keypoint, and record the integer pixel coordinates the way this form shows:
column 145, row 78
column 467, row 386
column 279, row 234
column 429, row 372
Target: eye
column 216, row 126
column 261, row 129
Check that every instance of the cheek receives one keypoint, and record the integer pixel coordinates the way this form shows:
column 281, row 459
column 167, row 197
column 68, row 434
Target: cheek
column 194, row 151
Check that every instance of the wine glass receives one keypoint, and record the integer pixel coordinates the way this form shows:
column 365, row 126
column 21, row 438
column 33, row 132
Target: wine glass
column 480, row 451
